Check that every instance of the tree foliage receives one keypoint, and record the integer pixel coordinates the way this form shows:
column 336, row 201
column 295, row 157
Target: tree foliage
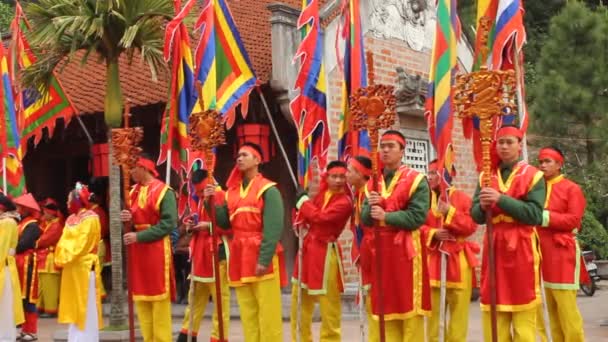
column 571, row 93
column 7, row 12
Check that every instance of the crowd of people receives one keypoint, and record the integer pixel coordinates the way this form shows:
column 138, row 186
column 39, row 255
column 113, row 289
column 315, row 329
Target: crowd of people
column 411, row 238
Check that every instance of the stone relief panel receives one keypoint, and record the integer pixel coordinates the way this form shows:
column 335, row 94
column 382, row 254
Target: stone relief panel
column 412, row 21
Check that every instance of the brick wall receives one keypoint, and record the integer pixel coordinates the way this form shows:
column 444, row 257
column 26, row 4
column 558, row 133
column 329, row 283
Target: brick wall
column 388, row 55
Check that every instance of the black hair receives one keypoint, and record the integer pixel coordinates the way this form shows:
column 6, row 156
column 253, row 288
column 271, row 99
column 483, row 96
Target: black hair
column 7, row 203
column 335, row 163
column 199, row 176
column 255, row 147
column 433, row 161
column 392, row 131
column 146, row 155
column 51, row 206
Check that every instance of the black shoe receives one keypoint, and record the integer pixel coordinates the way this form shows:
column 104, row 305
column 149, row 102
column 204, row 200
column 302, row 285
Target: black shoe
column 184, row 338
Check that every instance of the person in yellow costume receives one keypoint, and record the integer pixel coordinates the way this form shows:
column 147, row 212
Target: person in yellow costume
column 11, row 308
column 76, row 253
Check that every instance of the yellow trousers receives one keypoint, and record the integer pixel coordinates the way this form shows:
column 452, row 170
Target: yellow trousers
column 398, row 330
column 330, row 306
column 201, row 298
column 564, row 317
column 522, row 322
column 457, row 305
column 155, row 320
column 260, row 308
column 48, row 289
column 373, row 335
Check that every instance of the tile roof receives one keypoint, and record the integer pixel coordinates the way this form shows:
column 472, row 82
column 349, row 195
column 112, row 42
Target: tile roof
column 86, row 84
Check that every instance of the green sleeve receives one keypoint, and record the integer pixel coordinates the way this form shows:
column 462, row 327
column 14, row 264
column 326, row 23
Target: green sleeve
column 222, row 218
column 273, row 218
column 168, row 220
column 529, row 210
column 410, row 218
column 478, row 215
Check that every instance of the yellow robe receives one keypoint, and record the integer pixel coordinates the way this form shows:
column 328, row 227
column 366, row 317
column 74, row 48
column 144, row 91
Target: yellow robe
column 76, row 253
column 8, row 243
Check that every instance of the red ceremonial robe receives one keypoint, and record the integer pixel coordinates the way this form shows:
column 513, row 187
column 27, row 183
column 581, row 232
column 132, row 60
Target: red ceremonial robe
column 327, row 214
column 45, row 247
column 201, row 244
column 150, row 263
column 561, row 254
column 516, row 247
column 245, row 210
column 405, row 283
column 460, row 224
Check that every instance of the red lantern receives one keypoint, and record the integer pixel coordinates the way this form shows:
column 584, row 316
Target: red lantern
column 258, row 134
column 99, row 160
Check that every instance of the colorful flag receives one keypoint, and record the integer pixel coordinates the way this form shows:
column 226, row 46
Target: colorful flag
column 352, row 143
column 223, row 66
column 309, row 107
column 10, row 139
column 182, row 97
column 38, row 110
column 439, row 104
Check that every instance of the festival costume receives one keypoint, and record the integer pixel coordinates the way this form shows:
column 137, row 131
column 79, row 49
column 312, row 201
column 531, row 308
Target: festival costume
column 322, row 277
column 49, row 276
column 76, row 254
column 29, row 231
column 461, row 263
column 11, row 306
column 405, row 283
column 105, row 254
column 517, row 254
column 154, row 216
column 561, row 259
column 202, row 279
column 254, row 211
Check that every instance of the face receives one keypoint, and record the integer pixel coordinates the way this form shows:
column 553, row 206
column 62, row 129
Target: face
column 245, row 160
column 336, row 181
column 434, row 179
column 549, row 167
column 391, row 152
column 508, row 148
column 46, row 216
column 354, row 177
column 138, row 174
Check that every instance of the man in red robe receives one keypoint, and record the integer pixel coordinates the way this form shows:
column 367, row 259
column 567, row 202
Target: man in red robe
column 515, row 199
column 29, row 232
column 397, row 211
column 447, row 227
column 153, row 215
column 322, row 280
column 49, row 276
column 202, row 277
column 253, row 209
column 561, row 262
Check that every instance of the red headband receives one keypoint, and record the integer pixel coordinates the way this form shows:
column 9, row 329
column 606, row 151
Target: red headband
column 148, row 165
column 393, row 137
column 509, row 130
column 253, row 151
column 550, row 153
column 337, row 170
column 360, row 168
column 433, row 167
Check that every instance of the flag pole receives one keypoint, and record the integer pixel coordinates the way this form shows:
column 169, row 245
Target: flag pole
column 278, row 138
column 520, row 97
column 168, row 167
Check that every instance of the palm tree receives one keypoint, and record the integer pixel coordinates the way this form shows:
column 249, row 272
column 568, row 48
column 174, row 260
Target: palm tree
column 103, row 29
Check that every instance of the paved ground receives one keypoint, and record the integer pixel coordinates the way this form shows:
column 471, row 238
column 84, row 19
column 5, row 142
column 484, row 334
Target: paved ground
column 593, row 309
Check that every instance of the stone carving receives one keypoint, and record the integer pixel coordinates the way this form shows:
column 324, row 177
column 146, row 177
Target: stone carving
column 411, row 90
column 410, row 20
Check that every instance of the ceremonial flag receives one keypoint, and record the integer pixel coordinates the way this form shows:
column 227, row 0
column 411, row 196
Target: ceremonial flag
column 174, row 132
column 439, row 104
column 38, row 110
column 10, row 139
column 309, row 107
column 223, row 66
column 352, row 143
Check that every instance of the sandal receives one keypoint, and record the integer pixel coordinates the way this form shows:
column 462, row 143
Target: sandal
column 28, row 337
